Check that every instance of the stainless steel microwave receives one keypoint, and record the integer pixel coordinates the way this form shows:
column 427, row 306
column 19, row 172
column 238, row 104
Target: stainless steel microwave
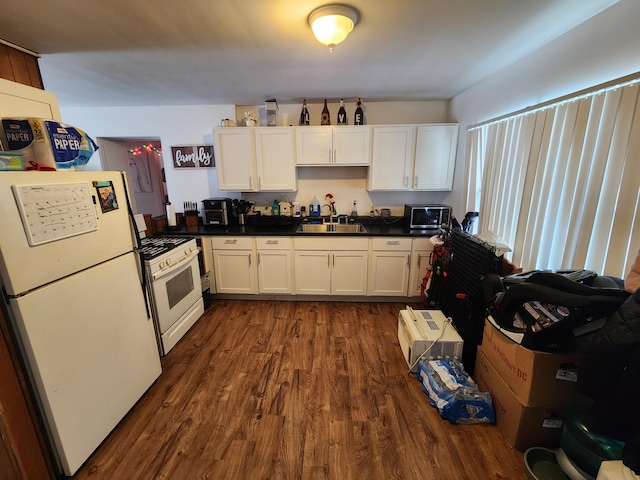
column 427, row 216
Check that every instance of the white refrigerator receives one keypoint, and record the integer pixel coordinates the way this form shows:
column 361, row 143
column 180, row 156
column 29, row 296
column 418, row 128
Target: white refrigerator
column 73, row 295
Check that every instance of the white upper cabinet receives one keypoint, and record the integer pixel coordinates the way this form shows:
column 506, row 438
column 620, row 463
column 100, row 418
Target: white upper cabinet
column 413, row 157
column 435, row 157
column 235, row 159
column 339, row 145
column 276, row 159
column 392, row 157
column 255, row 159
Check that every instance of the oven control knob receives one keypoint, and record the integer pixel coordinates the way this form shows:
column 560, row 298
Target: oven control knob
column 162, row 264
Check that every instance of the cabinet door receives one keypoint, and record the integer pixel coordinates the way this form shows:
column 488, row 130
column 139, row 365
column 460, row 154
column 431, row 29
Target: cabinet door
column 391, row 158
column 389, row 273
column 235, row 271
column 435, row 157
column 313, row 273
column 235, row 159
column 419, row 266
column 351, row 145
column 274, row 271
column 349, row 273
column 314, row 145
column 275, row 159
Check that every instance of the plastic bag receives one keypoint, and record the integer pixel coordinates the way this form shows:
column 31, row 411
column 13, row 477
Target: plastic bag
column 454, row 393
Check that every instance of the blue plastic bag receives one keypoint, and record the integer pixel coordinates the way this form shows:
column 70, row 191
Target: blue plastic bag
column 454, row 393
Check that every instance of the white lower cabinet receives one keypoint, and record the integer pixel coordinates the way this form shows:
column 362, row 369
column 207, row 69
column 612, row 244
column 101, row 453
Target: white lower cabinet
column 420, row 262
column 274, row 265
column 234, row 264
column 331, row 266
column 322, row 265
column 389, row 263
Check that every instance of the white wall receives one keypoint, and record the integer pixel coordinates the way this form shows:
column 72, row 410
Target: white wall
column 602, row 49
column 174, row 125
column 188, row 125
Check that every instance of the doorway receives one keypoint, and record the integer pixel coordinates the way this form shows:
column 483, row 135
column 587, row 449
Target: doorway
column 141, row 160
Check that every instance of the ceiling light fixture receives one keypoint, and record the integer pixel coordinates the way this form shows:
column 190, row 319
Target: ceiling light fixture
column 332, row 23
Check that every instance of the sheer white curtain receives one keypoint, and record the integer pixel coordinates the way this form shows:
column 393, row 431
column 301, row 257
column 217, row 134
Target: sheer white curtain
column 561, row 185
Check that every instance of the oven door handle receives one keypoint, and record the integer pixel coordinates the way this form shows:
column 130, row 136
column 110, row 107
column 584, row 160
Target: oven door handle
column 175, row 266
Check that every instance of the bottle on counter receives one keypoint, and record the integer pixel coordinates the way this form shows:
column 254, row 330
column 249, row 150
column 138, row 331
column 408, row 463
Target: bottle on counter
column 354, row 209
column 358, row 118
column 314, row 208
column 304, row 114
column 295, row 209
column 342, row 114
column 171, row 215
column 275, row 209
column 325, row 118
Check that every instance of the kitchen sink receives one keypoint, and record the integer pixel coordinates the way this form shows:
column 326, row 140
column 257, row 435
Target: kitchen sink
column 331, row 228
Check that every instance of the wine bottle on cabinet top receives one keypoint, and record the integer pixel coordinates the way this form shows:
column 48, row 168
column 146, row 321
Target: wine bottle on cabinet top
column 304, row 114
column 325, row 118
column 358, row 118
column 342, row 114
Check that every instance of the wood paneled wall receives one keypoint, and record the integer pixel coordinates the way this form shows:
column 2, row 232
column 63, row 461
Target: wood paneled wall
column 19, row 66
column 22, row 455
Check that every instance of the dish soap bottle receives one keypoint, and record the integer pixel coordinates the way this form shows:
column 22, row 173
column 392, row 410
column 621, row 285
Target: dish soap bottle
column 354, row 209
column 314, row 208
column 275, row 209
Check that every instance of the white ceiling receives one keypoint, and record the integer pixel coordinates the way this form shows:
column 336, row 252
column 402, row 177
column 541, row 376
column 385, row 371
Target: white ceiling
column 169, row 52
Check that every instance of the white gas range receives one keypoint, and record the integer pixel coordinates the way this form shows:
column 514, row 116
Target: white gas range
column 173, row 279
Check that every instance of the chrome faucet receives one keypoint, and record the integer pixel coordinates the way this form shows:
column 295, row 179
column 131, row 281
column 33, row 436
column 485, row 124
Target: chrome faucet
column 330, row 212
column 331, row 205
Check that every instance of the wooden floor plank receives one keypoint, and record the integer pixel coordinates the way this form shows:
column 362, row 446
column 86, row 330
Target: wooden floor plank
column 295, row 390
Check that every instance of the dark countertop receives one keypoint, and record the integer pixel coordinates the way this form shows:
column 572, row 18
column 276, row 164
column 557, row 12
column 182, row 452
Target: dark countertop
column 376, row 226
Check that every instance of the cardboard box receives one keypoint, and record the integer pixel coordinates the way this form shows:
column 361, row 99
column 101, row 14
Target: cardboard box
column 521, row 426
column 536, row 378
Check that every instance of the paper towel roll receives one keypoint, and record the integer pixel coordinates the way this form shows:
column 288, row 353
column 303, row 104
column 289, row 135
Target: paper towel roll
column 171, row 215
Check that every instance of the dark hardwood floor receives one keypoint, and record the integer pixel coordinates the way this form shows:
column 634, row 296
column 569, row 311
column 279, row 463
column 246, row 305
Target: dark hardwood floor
column 295, row 390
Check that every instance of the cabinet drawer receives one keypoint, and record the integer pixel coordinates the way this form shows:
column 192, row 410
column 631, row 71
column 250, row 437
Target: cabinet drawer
column 273, row 243
column 333, row 243
column 391, row 244
column 422, row 243
column 232, row 243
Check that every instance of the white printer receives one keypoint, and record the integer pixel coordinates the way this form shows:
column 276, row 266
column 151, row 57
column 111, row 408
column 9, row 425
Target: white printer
column 419, row 330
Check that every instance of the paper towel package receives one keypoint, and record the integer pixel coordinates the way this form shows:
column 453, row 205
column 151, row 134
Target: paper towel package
column 47, row 142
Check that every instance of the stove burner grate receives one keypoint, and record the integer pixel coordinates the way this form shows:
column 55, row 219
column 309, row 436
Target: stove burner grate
column 153, row 247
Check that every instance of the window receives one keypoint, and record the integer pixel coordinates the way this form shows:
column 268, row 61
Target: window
column 561, row 184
